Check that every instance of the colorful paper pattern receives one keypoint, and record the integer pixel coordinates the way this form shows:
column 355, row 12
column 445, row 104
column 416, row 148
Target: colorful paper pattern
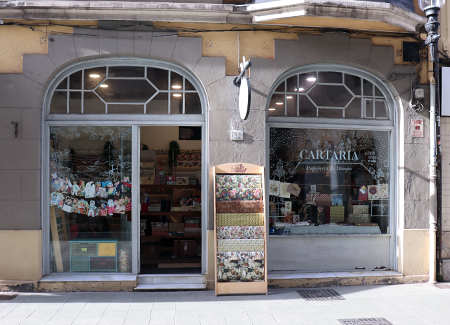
column 239, row 219
column 337, row 214
column 240, row 232
column 320, row 199
column 238, row 194
column 377, row 192
column 239, row 181
column 240, row 207
column 240, row 266
column 274, row 188
column 240, row 245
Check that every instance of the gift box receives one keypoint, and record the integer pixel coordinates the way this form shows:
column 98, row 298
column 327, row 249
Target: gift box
column 360, row 209
column 359, row 218
column 337, row 214
column 320, row 199
column 170, row 178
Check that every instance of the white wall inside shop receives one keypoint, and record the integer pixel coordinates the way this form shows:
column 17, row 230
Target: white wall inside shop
column 159, row 137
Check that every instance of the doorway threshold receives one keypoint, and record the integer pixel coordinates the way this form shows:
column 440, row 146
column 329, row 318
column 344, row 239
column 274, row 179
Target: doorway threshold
column 285, row 279
column 171, row 282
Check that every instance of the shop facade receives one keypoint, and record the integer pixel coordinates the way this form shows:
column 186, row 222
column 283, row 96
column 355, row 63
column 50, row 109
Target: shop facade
column 337, row 152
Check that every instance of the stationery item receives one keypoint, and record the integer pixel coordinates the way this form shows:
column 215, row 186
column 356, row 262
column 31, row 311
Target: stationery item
column 283, row 190
column 337, row 214
column 383, row 191
column 294, row 189
column 363, row 195
column 274, row 188
column 336, row 200
column 372, row 192
column 320, row 199
column 360, row 209
column 359, row 218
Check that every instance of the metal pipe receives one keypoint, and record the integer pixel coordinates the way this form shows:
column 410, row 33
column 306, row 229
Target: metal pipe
column 433, row 177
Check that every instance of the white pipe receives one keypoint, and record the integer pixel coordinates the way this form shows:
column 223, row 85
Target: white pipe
column 433, row 177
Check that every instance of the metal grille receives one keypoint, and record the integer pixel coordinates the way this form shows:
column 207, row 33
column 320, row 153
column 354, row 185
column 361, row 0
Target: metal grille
column 84, row 249
column 320, row 294
column 8, row 296
column 365, row 321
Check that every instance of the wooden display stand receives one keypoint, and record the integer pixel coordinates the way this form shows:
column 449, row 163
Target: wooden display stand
column 250, row 275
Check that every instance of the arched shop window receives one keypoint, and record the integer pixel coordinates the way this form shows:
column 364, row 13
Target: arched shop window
column 90, row 152
column 125, row 89
column 324, row 171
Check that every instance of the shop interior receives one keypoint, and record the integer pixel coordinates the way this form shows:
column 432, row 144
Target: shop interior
column 170, row 200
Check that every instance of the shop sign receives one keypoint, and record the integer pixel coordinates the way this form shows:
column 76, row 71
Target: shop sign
column 417, row 128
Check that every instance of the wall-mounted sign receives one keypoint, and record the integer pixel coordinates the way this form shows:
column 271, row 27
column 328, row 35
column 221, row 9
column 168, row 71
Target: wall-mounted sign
column 417, row 128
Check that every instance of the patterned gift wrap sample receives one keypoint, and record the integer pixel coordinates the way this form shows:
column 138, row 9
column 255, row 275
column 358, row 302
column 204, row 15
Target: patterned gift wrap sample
column 240, row 232
column 238, row 194
column 359, row 218
column 240, row 207
column 337, row 214
column 240, row 266
column 360, row 209
column 239, row 219
column 320, row 199
column 239, row 181
column 124, row 260
column 240, row 245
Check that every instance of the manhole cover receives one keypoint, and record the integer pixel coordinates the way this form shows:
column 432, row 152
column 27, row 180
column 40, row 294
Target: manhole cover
column 365, row 321
column 8, row 296
column 442, row 285
column 322, row 294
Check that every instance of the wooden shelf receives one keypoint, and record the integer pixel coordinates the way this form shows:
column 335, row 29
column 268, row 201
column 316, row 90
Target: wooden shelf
column 170, row 186
column 171, row 213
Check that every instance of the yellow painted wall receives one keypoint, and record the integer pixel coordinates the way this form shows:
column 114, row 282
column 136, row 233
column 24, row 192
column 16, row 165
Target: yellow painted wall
column 414, row 251
column 21, row 255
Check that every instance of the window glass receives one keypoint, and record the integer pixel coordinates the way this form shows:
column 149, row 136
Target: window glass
column 126, row 72
column 158, row 77
column 306, row 108
column 90, row 199
column 75, row 102
column 159, row 104
column 193, row 104
column 291, row 105
column 62, row 84
column 75, row 80
column 58, row 105
column 125, row 91
column 93, row 77
column 330, row 77
column 276, row 105
column 329, row 181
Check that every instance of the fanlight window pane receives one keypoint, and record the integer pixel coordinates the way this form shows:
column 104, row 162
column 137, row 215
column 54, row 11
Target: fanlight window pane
column 277, row 103
column 126, row 72
column 353, row 83
column 330, row 113
column 306, row 81
column 159, row 104
column 93, row 104
column 353, row 110
column 126, row 109
column 75, row 102
column 75, row 80
column 368, row 88
column 378, row 92
column 126, row 91
column 368, row 103
column 291, row 84
column 306, row 108
column 193, row 104
column 93, row 77
column 62, row 84
column 158, row 77
column 132, row 89
column 58, row 105
column 291, row 105
column 380, row 109
column 331, row 96
column 281, row 87
column 330, row 77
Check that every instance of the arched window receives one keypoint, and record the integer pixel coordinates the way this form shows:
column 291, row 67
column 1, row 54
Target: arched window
column 329, row 93
column 123, row 87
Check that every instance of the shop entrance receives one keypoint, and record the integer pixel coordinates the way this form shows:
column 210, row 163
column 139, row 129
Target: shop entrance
column 170, row 200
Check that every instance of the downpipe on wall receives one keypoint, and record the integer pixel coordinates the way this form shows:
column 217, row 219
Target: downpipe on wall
column 433, row 177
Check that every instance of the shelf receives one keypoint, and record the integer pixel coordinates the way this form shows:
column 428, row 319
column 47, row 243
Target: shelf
column 171, row 213
column 174, row 237
column 162, row 186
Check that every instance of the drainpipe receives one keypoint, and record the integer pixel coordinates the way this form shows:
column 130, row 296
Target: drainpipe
column 433, row 177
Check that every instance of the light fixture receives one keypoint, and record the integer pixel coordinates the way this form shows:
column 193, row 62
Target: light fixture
column 104, row 86
column 431, row 9
column 289, row 97
column 176, row 87
column 301, row 89
column 279, row 103
column 271, row 109
column 176, row 95
column 311, row 79
column 94, row 75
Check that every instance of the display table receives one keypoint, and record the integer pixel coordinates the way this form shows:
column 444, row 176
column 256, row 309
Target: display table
column 330, row 230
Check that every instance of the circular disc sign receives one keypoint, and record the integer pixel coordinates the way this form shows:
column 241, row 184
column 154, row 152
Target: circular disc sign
column 244, row 98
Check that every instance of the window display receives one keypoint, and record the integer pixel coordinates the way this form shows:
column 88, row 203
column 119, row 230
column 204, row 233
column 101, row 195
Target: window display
column 90, row 198
column 329, row 181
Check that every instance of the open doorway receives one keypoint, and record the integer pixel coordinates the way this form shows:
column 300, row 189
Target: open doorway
column 170, row 200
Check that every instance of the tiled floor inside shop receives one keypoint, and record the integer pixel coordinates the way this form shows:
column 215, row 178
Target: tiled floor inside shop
column 396, row 304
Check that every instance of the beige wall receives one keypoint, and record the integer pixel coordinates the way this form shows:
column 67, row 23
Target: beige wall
column 21, row 255
column 413, row 251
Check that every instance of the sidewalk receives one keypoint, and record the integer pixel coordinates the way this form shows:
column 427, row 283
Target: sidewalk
column 397, row 304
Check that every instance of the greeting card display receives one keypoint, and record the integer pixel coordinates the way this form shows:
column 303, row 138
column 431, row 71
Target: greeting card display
column 239, row 223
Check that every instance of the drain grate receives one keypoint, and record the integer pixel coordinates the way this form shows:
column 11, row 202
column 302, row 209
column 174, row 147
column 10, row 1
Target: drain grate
column 8, row 296
column 365, row 321
column 320, row 294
